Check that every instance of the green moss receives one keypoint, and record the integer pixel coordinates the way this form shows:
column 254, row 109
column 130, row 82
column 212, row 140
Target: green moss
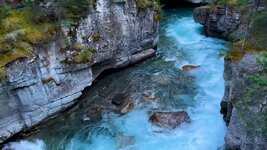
column 77, row 47
column 155, row 4
column 96, row 38
column 47, row 80
column 254, row 97
column 142, row 4
column 157, row 17
column 85, row 57
column 2, row 73
column 17, row 34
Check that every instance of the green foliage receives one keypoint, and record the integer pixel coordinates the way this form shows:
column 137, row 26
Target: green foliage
column 2, row 73
column 96, row 38
column 155, row 4
column 254, row 96
column 259, row 30
column 85, row 57
column 225, row 54
column 67, row 23
column 5, row 11
column 142, row 4
column 57, row 10
column 35, row 22
column 18, row 32
column 77, row 46
column 263, row 60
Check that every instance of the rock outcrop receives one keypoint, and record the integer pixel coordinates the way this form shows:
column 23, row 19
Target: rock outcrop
column 236, row 77
column 218, row 22
column 37, row 89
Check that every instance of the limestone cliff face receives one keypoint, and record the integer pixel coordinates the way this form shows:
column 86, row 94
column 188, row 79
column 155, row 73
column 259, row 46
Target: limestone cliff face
column 38, row 88
column 236, row 77
column 218, row 22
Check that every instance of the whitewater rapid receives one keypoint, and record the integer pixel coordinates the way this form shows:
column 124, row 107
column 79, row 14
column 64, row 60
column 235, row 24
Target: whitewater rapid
column 182, row 43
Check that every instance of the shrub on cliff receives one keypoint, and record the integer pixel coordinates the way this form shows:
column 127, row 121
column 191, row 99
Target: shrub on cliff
column 155, row 4
column 252, row 107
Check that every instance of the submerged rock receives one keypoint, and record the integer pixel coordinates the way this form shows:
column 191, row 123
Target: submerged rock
column 169, row 119
column 186, row 79
column 190, row 67
column 124, row 141
column 161, row 79
column 118, row 99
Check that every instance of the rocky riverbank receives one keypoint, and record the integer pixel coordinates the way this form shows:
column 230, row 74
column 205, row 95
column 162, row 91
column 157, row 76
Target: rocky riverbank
column 221, row 21
column 237, row 77
column 36, row 89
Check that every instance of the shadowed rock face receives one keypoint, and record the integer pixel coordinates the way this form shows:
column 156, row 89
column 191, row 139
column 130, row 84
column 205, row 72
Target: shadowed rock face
column 220, row 22
column 169, row 119
column 36, row 90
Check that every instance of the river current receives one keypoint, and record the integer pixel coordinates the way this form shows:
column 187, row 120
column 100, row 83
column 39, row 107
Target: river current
column 198, row 92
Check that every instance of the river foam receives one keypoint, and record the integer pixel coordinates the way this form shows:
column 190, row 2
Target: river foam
column 185, row 45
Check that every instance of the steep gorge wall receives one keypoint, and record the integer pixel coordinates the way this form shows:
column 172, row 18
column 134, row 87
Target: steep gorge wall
column 38, row 88
column 237, row 78
column 221, row 22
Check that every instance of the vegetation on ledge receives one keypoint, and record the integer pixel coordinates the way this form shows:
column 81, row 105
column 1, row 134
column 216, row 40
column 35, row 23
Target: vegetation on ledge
column 254, row 96
column 84, row 57
column 26, row 23
column 251, row 36
column 155, row 4
column 251, row 33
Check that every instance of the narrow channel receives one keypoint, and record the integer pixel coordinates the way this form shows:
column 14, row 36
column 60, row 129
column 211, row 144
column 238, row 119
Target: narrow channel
column 157, row 84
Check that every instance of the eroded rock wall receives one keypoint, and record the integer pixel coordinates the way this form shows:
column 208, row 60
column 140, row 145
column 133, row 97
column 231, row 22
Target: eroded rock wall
column 237, row 79
column 219, row 22
column 38, row 88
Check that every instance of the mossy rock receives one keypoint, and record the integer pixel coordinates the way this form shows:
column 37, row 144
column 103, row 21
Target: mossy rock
column 77, row 47
column 96, row 38
column 85, row 57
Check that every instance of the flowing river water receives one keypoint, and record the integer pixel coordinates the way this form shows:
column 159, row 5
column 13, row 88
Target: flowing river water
column 94, row 125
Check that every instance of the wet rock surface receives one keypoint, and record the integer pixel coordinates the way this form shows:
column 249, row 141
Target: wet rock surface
column 169, row 119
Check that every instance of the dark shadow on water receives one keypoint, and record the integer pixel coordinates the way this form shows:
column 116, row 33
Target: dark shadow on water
column 178, row 4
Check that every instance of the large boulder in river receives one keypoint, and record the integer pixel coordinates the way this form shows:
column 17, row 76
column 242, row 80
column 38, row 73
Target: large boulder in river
column 190, row 67
column 169, row 119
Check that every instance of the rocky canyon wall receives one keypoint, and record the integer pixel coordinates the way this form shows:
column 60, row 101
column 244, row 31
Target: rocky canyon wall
column 37, row 88
column 221, row 22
